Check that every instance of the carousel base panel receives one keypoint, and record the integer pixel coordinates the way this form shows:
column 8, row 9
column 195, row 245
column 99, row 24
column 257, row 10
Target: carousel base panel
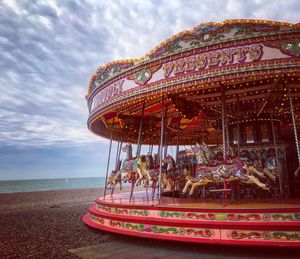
column 254, row 223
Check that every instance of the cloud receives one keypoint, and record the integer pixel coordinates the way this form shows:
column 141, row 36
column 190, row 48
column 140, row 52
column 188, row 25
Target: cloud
column 49, row 49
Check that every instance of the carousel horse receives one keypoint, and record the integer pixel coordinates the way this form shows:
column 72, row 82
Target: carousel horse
column 142, row 171
column 169, row 174
column 115, row 178
column 267, row 169
column 129, row 164
column 136, row 166
column 153, row 170
column 211, row 157
column 153, row 166
column 187, row 174
column 217, row 171
column 262, row 167
column 207, row 155
column 223, row 173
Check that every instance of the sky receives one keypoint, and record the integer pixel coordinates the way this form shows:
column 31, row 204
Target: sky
column 48, row 51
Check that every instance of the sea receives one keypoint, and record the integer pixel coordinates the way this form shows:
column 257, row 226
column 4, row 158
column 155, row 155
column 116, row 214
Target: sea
column 51, row 184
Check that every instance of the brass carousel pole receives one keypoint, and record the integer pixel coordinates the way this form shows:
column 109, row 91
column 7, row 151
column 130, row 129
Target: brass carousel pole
column 276, row 155
column 117, row 156
column 223, row 114
column 238, row 141
column 165, row 141
column 238, row 127
column 227, row 136
column 295, row 130
column 108, row 160
column 163, row 115
column 224, row 127
column 138, row 149
column 165, row 145
column 121, row 144
column 116, row 169
column 118, row 162
column 177, row 143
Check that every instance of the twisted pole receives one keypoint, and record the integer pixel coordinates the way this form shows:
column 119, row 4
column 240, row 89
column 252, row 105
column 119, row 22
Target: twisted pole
column 138, row 149
column 294, row 125
column 161, row 145
column 223, row 111
column 177, row 144
column 108, row 160
column 238, row 127
column 276, row 154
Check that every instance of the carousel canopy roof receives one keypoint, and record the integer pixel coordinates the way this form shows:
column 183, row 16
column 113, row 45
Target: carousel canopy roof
column 253, row 64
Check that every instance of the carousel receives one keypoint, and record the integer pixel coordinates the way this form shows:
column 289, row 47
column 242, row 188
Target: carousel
column 206, row 128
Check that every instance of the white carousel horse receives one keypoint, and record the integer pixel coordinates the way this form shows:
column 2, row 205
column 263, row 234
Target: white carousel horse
column 187, row 174
column 263, row 170
column 203, row 154
column 131, row 165
column 220, row 172
column 114, row 179
column 128, row 166
column 169, row 173
column 223, row 173
column 267, row 171
column 208, row 156
column 153, row 169
column 153, row 166
column 142, row 171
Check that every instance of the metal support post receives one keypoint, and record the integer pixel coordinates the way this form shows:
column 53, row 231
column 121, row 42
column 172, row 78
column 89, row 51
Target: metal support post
column 161, row 146
column 108, row 160
column 223, row 114
column 294, row 126
column 276, row 156
column 138, row 149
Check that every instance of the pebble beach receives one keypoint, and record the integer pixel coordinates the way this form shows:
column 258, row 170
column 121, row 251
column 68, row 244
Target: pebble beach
column 46, row 224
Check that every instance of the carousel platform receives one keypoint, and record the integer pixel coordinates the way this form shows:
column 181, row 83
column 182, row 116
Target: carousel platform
column 253, row 223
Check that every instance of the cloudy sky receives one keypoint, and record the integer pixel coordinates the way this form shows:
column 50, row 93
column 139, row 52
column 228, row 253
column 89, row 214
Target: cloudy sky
column 48, row 51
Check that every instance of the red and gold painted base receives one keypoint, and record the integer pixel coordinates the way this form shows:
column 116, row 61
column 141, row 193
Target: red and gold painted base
column 257, row 223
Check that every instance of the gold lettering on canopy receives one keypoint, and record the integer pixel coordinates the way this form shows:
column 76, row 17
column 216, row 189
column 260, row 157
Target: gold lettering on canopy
column 255, row 52
column 107, row 93
column 226, row 57
column 200, row 62
column 168, row 68
column 190, row 64
column 179, row 67
column 213, row 59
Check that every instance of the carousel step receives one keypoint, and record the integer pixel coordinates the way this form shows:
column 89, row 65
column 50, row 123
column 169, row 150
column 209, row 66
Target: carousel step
column 192, row 219
column 264, row 223
column 200, row 234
